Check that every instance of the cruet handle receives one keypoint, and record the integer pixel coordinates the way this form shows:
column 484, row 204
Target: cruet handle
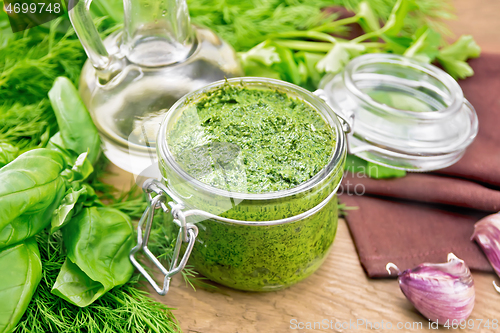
column 87, row 33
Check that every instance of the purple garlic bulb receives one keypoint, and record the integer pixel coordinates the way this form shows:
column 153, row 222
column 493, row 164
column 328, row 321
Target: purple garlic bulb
column 440, row 292
column 487, row 235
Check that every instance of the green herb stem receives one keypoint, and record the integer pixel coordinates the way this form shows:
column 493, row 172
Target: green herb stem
column 300, row 45
column 306, row 34
column 333, row 26
column 374, row 45
column 369, row 35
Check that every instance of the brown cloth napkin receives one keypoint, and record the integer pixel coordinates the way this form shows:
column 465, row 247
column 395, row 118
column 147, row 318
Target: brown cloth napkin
column 422, row 217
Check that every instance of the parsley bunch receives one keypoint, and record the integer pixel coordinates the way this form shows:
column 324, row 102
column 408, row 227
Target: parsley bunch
column 303, row 57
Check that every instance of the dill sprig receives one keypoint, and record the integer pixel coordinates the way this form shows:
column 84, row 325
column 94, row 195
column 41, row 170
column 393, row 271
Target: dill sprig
column 30, row 61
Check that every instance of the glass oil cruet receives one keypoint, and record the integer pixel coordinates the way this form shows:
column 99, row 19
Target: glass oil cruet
column 132, row 77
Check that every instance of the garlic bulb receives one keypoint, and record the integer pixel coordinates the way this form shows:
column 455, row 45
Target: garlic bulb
column 441, row 292
column 487, row 235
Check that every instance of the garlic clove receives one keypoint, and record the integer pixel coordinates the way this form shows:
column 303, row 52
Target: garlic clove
column 441, row 292
column 487, row 235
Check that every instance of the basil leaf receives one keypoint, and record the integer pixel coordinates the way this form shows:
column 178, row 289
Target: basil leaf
column 75, row 286
column 78, row 132
column 65, row 211
column 81, row 169
column 28, row 225
column 21, row 272
column 75, row 199
column 31, row 189
column 98, row 241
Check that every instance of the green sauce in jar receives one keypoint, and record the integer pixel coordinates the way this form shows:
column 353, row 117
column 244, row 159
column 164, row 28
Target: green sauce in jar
column 251, row 140
column 265, row 146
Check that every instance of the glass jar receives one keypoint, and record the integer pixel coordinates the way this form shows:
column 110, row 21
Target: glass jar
column 253, row 241
column 395, row 111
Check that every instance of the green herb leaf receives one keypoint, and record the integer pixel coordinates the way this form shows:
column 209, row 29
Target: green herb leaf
column 310, row 61
column 289, row 68
column 425, row 45
column 81, row 169
column 253, row 68
column 112, row 9
column 78, row 132
column 264, row 53
column 340, row 54
column 21, row 273
column 259, row 61
column 98, row 241
column 29, row 224
column 453, row 57
column 65, row 211
column 244, row 24
column 76, row 287
column 123, row 309
column 31, row 189
column 397, row 44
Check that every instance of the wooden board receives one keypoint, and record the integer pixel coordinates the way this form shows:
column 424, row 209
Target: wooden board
column 338, row 295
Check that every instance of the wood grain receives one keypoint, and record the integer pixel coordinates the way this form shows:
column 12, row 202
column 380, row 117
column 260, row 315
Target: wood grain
column 339, row 291
column 479, row 18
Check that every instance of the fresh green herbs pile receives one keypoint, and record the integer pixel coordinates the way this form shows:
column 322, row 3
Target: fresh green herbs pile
column 51, row 192
column 245, row 24
column 124, row 309
column 47, row 202
column 304, row 56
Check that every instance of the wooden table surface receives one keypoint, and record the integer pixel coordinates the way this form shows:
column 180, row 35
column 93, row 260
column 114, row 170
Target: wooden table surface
column 339, row 292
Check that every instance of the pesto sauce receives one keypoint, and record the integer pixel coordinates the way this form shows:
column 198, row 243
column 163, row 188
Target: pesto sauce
column 251, row 140
column 264, row 258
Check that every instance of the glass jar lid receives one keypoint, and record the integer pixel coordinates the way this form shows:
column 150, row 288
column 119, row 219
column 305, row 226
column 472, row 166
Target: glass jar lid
column 401, row 113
